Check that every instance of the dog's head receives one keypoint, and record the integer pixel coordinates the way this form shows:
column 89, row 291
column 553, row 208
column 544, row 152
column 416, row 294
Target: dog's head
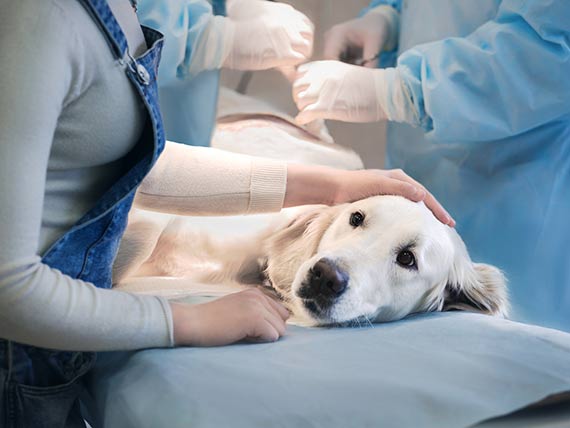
column 379, row 259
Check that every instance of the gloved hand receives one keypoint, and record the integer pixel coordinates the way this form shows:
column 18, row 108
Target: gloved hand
column 266, row 35
column 339, row 91
column 365, row 37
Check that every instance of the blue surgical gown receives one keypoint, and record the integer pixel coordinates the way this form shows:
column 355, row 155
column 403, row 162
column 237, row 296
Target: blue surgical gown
column 188, row 102
column 490, row 83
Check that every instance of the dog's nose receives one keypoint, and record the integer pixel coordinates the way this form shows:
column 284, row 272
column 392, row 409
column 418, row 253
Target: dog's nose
column 327, row 279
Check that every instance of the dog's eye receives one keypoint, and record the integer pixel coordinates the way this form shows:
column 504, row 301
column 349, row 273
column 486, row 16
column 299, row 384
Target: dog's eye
column 406, row 259
column 356, row 219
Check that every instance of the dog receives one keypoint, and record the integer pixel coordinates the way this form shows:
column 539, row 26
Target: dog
column 376, row 260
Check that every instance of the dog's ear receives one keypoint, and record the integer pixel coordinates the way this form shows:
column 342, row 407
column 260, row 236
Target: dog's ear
column 310, row 224
column 475, row 287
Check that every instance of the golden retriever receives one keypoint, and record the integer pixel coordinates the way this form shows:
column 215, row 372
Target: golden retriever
column 375, row 260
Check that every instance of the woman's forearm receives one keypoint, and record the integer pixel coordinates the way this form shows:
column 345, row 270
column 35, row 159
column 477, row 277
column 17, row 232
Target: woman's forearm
column 43, row 307
column 191, row 180
column 204, row 181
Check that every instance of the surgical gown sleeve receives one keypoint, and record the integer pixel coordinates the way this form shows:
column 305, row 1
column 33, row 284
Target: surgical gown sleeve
column 195, row 37
column 507, row 77
column 396, row 4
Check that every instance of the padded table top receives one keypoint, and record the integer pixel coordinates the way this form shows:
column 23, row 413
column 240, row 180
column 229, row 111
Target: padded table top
column 432, row 370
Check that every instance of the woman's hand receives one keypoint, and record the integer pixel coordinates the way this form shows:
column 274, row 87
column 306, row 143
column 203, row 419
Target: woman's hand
column 308, row 184
column 249, row 315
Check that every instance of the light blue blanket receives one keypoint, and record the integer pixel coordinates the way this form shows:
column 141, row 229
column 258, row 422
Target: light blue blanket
column 434, row 370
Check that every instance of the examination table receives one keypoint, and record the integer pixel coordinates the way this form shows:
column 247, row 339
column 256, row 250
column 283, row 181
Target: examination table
column 435, row 370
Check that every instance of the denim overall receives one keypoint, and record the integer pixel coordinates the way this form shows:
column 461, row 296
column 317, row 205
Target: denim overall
column 40, row 387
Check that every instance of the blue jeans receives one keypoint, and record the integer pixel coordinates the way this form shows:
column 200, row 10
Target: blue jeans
column 41, row 386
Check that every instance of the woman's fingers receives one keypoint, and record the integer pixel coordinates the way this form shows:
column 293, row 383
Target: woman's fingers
column 276, row 322
column 392, row 186
column 429, row 200
column 264, row 332
column 437, row 209
column 269, row 322
column 355, row 185
column 268, row 328
column 278, row 308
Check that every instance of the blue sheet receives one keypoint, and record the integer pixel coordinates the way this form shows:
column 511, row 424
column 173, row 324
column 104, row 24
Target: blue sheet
column 432, row 370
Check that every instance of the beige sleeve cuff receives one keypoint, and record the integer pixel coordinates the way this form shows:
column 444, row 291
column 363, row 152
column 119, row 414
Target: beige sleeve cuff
column 191, row 180
column 267, row 185
column 167, row 310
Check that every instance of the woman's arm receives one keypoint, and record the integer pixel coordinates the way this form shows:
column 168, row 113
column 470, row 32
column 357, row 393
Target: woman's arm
column 40, row 305
column 191, row 180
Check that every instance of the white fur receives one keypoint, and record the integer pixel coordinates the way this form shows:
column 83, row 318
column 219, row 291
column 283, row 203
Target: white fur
column 379, row 289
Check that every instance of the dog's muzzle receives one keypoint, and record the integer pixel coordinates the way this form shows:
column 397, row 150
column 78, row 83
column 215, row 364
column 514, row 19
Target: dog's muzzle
column 324, row 284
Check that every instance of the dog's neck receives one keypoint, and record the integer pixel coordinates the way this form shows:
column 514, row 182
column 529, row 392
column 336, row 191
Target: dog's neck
column 266, row 285
column 266, row 282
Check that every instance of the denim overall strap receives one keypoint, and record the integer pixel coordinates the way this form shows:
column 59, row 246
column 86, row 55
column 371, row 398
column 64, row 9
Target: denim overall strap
column 40, row 387
column 104, row 224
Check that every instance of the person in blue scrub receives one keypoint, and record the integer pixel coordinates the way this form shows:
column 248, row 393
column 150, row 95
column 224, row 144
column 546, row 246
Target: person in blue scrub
column 201, row 39
column 479, row 104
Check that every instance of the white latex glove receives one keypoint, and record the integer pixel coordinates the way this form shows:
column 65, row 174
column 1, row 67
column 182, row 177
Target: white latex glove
column 365, row 37
column 339, row 91
column 266, row 35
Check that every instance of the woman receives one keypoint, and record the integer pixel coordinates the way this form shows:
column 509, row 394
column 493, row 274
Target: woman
column 79, row 130
column 479, row 100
